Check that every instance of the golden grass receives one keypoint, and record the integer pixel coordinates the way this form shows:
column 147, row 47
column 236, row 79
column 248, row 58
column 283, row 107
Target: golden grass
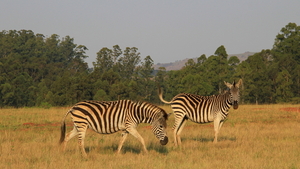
column 264, row 136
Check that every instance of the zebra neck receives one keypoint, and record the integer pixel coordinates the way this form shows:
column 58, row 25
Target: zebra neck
column 147, row 120
column 145, row 116
column 227, row 101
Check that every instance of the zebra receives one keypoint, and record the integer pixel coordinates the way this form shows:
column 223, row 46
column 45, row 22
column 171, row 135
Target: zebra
column 106, row 117
column 202, row 109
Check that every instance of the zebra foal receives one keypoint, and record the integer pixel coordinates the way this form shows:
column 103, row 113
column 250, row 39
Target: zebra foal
column 106, row 117
column 202, row 109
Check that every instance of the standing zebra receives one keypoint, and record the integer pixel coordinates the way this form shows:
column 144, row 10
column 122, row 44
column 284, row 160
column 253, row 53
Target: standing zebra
column 202, row 109
column 106, row 117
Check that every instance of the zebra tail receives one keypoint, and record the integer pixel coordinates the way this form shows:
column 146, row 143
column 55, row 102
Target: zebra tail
column 63, row 129
column 160, row 93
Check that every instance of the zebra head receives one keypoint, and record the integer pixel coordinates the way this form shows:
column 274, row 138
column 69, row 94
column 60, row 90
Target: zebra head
column 159, row 127
column 234, row 92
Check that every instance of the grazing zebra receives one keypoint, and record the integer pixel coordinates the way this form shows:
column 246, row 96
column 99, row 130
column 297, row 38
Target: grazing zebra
column 202, row 109
column 106, row 117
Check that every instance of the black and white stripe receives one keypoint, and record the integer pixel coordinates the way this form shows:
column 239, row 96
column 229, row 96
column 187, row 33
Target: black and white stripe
column 202, row 109
column 106, row 117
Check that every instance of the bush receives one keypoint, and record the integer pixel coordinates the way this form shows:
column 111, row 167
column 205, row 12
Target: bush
column 46, row 105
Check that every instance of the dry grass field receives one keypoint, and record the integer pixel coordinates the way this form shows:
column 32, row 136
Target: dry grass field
column 263, row 136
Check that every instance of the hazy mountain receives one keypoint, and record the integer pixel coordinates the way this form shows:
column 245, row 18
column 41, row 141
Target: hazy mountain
column 180, row 63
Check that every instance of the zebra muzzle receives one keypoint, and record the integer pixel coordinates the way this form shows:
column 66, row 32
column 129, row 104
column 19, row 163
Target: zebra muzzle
column 164, row 141
column 235, row 104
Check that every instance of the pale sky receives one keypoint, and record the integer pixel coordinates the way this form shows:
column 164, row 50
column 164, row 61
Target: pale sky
column 167, row 30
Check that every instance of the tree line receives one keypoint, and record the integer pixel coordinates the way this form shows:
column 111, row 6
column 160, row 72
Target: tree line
column 50, row 71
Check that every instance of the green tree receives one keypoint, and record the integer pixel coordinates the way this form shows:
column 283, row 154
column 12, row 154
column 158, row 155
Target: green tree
column 243, row 71
column 146, row 83
column 128, row 62
column 101, row 95
column 222, row 68
column 286, row 55
column 31, row 64
column 201, row 59
column 116, row 53
column 146, row 68
column 104, row 61
column 160, row 76
column 233, row 62
column 211, row 72
column 259, row 86
column 283, row 91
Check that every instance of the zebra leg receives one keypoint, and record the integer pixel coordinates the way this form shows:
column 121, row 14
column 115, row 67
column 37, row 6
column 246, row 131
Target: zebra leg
column 81, row 145
column 135, row 133
column 180, row 130
column 178, row 126
column 221, row 123
column 124, row 136
column 217, row 126
column 70, row 135
column 81, row 136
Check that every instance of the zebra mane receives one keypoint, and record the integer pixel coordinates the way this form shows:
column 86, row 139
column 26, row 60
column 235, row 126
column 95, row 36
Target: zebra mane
column 152, row 106
column 224, row 93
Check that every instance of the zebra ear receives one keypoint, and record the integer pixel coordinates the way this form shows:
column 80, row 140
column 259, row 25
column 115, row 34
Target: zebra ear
column 239, row 83
column 164, row 115
column 167, row 116
column 228, row 84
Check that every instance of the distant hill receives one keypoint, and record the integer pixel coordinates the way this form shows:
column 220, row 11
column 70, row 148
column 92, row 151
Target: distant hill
column 177, row 65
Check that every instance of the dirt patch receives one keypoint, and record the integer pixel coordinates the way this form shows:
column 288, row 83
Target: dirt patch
column 258, row 109
column 199, row 125
column 43, row 125
column 288, row 109
column 291, row 109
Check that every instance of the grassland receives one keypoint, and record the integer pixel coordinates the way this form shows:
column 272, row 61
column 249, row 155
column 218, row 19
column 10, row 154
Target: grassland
column 264, row 136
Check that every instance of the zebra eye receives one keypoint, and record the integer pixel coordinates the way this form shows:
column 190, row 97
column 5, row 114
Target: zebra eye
column 160, row 126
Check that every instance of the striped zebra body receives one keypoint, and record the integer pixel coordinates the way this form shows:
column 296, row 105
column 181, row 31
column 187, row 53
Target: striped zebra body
column 113, row 116
column 202, row 109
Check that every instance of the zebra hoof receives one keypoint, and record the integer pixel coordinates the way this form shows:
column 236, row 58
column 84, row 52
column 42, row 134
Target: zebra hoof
column 164, row 141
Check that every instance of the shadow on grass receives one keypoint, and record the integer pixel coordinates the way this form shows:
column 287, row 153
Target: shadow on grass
column 158, row 148
column 127, row 148
column 207, row 140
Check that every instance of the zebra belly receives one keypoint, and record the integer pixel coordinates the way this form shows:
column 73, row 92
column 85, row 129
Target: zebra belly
column 201, row 121
column 199, row 117
column 107, row 130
